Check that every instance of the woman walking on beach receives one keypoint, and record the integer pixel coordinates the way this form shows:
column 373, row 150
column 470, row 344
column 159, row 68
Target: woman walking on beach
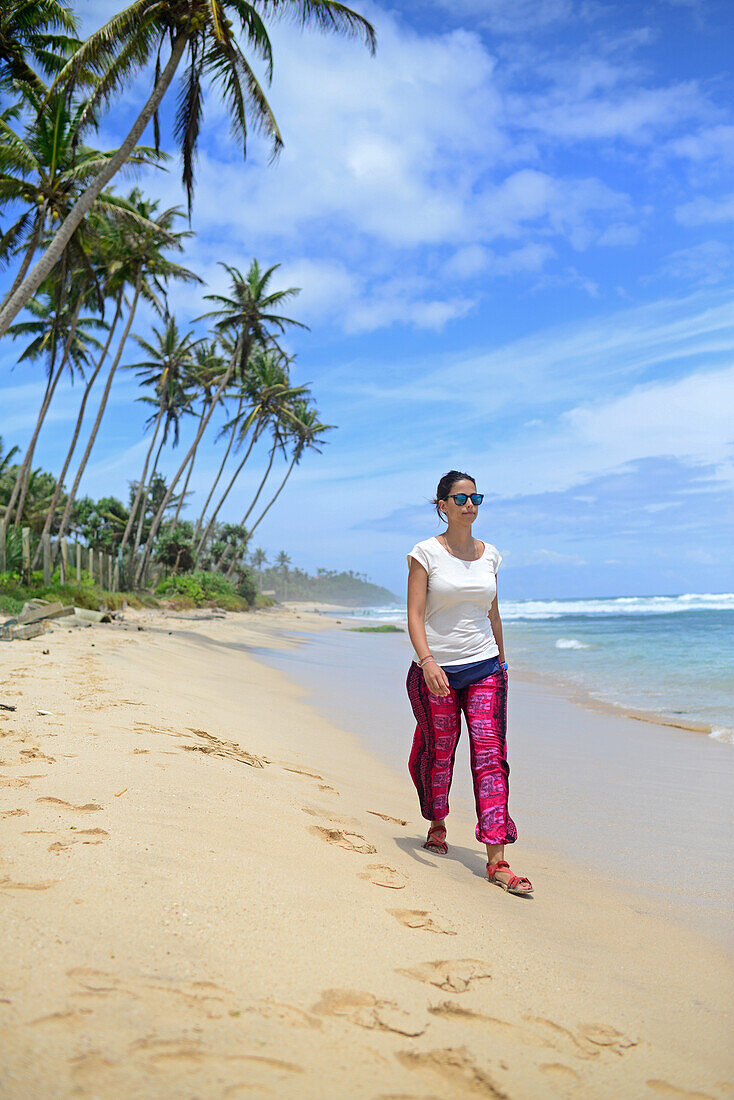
column 456, row 631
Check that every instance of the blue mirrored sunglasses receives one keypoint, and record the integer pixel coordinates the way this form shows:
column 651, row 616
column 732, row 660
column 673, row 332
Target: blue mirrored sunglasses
column 461, row 498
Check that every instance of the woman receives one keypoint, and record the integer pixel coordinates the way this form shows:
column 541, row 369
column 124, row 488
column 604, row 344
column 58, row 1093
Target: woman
column 455, row 627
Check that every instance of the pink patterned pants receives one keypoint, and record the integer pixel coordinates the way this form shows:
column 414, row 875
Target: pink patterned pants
column 431, row 763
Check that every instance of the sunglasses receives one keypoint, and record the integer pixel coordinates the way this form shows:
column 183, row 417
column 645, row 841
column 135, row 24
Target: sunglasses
column 461, row 498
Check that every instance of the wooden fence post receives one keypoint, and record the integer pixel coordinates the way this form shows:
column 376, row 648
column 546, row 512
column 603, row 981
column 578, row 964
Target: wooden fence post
column 78, row 559
column 46, row 539
column 3, row 557
column 25, row 535
column 90, row 562
column 64, row 566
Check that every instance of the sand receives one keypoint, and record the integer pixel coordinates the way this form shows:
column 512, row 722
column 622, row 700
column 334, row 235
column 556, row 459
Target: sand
column 209, row 890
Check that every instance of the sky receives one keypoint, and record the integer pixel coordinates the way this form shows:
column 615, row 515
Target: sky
column 512, row 231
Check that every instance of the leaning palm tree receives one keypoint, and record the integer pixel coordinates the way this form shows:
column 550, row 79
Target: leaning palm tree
column 64, row 339
column 44, row 168
column 247, row 315
column 307, row 431
column 206, row 31
column 134, row 258
column 166, row 371
column 266, row 391
column 203, row 378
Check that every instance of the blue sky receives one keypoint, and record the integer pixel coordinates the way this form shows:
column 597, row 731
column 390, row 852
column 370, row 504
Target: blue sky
column 513, row 233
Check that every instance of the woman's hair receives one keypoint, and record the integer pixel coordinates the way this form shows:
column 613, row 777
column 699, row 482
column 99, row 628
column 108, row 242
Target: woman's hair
column 445, row 485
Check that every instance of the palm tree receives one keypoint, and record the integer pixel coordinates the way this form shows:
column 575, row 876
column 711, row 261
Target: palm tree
column 258, row 559
column 52, row 330
column 205, row 30
column 265, row 391
column 133, row 256
column 44, row 170
column 42, row 30
column 204, row 374
column 306, row 430
column 247, row 316
column 166, row 369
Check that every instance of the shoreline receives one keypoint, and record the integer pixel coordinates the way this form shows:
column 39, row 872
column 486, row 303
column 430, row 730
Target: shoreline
column 574, row 693
column 208, row 887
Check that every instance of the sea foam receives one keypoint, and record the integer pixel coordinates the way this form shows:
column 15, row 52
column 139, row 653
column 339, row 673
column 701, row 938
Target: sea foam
column 570, row 643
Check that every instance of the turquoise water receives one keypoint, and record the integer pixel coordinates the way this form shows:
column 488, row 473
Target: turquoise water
column 671, row 656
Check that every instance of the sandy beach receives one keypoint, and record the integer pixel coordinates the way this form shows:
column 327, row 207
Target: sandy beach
column 209, row 890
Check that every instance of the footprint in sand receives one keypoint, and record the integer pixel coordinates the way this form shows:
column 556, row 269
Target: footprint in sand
column 353, row 842
column 302, row 771
column 9, row 884
column 449, row 1010
column 87, row 808
column 81, row 836
column 662, row 1088
column 420, row 918
column 453, row 975
column 13, row 813
column 36, row 754
column 365, row 1010
column 588, row 1041
column 327, row 788
column 213, row 746
column 386, row 817
column 381, row 875
column 557, row 1071
column 284, row 1014
column 454, row 1068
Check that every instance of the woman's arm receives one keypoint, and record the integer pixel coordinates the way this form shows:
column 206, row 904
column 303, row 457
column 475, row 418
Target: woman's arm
column 433, row 674
column 496, row 621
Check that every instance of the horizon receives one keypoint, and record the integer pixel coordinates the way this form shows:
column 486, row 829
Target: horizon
column 513, row 233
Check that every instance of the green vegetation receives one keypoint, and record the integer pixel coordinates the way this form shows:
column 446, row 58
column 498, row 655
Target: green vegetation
column 201, row 589
column 386, row 628
column 349, row 589
column 13, row 594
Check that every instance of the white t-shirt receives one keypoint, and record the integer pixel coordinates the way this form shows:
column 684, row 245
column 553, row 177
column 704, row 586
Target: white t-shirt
column 460, row 594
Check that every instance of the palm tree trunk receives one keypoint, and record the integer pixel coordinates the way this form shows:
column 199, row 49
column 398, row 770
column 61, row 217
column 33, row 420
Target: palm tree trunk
column 200, row 520
column 158, row 518
column 20, row 477
column 141, row 483
column 79, row 420
column 188, row 478
column 225, row 494
column 252, row 505
column 102, row 406
column 30, row 253
column 25, row 475
column 144, row 502
column 84, row 203
column 273, row 500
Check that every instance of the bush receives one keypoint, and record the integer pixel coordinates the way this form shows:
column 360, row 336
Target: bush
column 208, row 588
column 246, row 587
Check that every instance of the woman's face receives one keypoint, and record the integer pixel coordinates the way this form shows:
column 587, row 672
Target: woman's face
column 460, row 514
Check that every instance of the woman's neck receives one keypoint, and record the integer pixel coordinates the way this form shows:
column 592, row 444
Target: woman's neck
column 459, row 540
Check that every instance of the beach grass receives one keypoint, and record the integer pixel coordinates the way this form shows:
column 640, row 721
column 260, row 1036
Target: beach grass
column 385, row 628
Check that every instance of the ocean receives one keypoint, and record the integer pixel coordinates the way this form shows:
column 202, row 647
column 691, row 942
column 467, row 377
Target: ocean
column 667, row 657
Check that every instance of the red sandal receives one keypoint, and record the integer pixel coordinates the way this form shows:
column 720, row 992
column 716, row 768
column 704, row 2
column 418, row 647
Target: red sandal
column 436, row 840
column 515, row 883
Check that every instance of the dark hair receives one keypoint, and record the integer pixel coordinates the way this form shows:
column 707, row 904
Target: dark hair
column 444, row 488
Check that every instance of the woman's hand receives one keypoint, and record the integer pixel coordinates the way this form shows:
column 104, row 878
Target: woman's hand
column 436, row 679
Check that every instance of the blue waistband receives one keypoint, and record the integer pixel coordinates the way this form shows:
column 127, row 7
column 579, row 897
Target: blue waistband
column 460, row 676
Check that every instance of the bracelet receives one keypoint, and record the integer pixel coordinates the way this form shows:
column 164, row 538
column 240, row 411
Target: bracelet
column 423, row 660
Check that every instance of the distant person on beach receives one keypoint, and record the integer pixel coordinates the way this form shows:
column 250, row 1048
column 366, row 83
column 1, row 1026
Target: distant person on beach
column 455, row 627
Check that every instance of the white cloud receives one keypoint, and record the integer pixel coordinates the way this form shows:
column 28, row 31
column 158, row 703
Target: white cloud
column 511, row 17
column 706, row 263
column 705, row 211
